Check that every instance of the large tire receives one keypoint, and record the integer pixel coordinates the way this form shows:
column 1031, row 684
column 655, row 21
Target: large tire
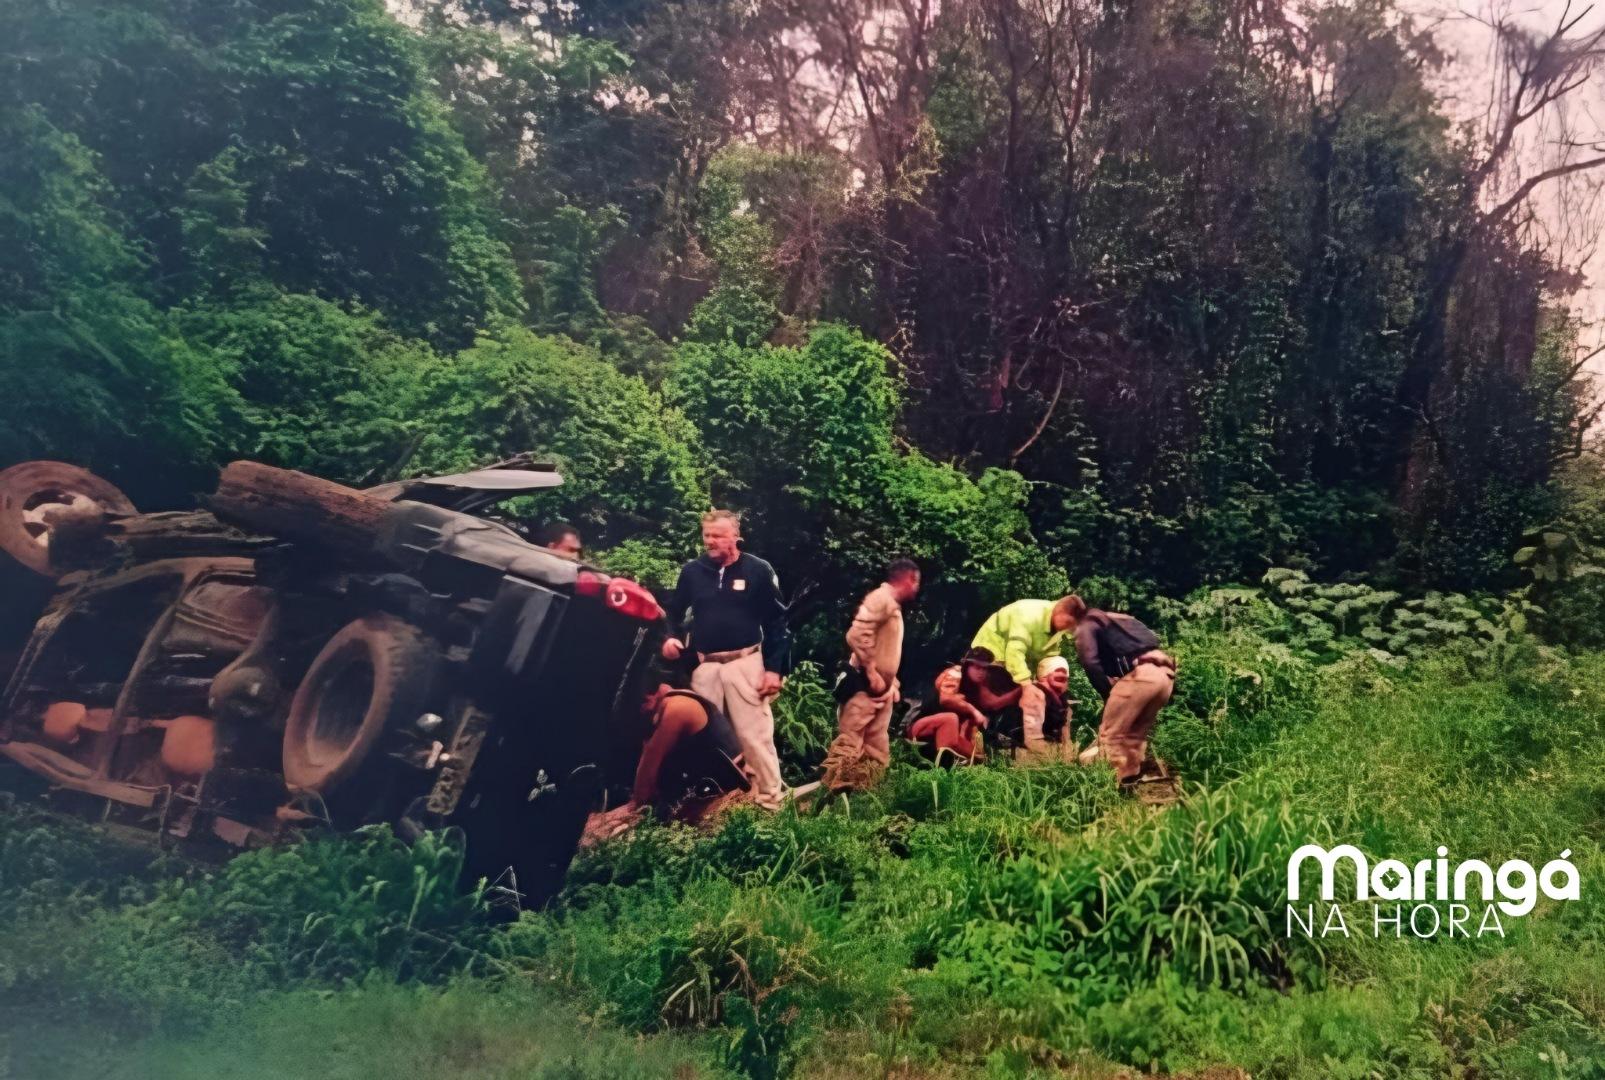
column 28, row 492
column 375, row 674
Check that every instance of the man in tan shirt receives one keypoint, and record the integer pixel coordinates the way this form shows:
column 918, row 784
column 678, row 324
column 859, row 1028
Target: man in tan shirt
column 862, row 748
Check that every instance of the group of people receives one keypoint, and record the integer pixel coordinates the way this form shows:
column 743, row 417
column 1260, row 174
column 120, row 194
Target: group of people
column 1012, row 682
column 715, row 735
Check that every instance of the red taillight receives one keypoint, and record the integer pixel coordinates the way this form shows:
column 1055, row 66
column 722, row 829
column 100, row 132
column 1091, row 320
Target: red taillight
column 620, row 594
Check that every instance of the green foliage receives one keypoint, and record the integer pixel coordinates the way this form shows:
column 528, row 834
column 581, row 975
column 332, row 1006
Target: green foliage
column 1563, row 587
column 175, row 955
column 43, row 861
column 714, row 955
column 1325, row 622
column 323, row 387
column 749, row 196
column 223, row 248
column 565, row 293
column 1195, row 893
column 1155, row 940
column 318, row 115
column 734, row 314
column 803, row 441
column 90, row 371
column 400, row 909
column 792, row 429
column 630, row 463
column 469, row 1029
column 967, row 922
column 1235, row 693
column 805, row 721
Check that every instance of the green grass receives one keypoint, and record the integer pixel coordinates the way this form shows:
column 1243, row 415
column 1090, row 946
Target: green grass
column 477, row 1030
column 980, row 922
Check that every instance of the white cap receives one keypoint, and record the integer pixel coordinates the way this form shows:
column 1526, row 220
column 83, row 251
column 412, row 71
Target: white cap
column 1050, row 664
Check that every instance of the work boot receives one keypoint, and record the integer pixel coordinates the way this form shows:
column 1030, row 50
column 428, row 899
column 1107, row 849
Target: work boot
column 860, row 775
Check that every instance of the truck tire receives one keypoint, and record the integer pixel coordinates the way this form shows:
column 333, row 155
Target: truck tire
column 376, row 673
column 30, row 490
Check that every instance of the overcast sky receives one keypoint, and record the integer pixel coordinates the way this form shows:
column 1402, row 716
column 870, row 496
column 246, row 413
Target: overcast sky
column 1461, row 29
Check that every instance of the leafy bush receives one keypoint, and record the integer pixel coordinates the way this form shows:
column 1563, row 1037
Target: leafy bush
column 322, row 386
column 90, row 370
column 1564, row 583
column 1235, row 693
column 1323, row 622
column 629, row 463
column 803, row 441
column 805, row 722
column 45, row 862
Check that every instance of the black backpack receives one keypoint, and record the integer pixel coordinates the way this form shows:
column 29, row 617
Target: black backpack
column 1121, row 639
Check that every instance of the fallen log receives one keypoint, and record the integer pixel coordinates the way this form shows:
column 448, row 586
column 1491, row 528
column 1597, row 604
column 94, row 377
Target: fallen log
column 295, row 506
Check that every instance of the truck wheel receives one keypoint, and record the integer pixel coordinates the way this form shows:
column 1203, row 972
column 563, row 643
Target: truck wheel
column 32, row 491
column 376, row 673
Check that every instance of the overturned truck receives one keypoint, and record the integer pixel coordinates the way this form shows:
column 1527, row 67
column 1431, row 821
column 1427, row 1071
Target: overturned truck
column 303, row 653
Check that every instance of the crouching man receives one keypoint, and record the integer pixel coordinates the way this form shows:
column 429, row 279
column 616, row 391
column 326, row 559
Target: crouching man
column 691, row 764
column 1053, row 679
column 1021, row 636
column 869, row 688
column 1133, row 675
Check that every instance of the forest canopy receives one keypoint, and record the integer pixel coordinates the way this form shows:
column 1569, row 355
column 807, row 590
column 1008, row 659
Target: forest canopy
column 1172, row 291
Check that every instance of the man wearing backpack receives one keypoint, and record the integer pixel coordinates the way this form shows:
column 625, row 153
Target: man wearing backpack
column 1133, row 675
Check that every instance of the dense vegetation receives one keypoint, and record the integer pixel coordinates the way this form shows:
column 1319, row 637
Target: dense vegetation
column 988, row 921
column 1174, row 291
column 1200, row 306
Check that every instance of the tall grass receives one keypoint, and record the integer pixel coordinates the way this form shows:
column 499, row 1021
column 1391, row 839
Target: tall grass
column 982, row 921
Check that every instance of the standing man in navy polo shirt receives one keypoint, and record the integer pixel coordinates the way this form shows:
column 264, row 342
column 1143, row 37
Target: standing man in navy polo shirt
column 739, row 636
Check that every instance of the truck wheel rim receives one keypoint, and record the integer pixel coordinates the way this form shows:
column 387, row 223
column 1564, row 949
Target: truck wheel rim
column 39, row 505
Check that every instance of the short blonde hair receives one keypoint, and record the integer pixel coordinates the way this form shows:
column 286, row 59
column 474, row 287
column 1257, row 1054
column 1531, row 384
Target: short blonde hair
column 722, row 515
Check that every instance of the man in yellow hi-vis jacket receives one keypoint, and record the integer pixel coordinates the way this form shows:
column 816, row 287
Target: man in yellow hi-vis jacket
column 1021, row 635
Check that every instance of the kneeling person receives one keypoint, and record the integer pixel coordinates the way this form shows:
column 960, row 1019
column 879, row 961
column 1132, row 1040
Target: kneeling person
column 968, row 695
column 1053, row 679
column 691, row 761
column 1021, row 636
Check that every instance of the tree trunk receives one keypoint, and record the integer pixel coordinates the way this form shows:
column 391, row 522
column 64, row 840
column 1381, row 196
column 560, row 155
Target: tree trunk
column 298, row 507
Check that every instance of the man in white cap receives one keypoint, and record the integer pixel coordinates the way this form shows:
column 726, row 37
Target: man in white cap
column 1053, row 679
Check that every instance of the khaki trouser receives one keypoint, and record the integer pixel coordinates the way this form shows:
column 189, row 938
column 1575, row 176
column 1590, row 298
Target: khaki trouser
column 1033, row 715
column 733, row 686
column 1129, row 717
column 863, row 724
